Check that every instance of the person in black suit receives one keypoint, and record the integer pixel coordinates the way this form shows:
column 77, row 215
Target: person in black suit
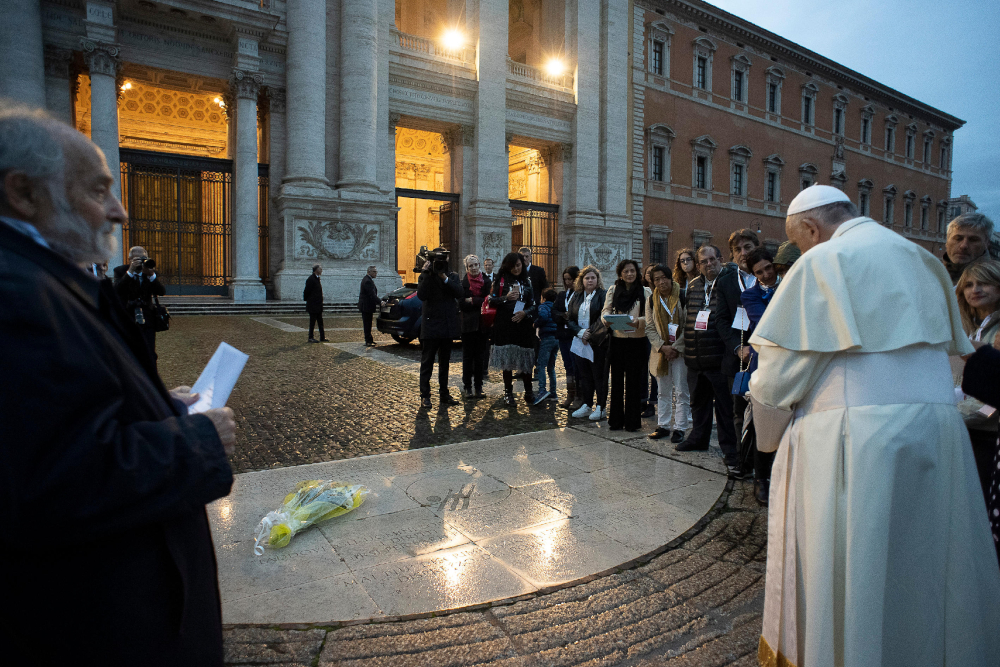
column 536, row 275
column 980, row 381
column 136, row 286
column 101, row 460
column 313, row 296
column 439, row 291
column 368, row 303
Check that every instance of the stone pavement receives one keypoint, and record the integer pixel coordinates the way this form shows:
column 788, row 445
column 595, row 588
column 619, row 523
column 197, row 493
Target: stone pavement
column 697, row 601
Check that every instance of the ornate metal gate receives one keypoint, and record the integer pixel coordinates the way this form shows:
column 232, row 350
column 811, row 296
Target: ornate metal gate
column 536, row 225
column 180, row 211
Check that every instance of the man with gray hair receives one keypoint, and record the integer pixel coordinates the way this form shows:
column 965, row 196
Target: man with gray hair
column 877, row 549
column 111, row 467
column 968, row 242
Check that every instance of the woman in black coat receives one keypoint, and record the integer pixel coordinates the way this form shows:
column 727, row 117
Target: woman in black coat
column 560, row 310
column 980, row 381
column 513, row 334
column 591, row 375
column 475, row 336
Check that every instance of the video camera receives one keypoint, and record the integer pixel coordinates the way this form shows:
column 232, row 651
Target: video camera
column 437, row 258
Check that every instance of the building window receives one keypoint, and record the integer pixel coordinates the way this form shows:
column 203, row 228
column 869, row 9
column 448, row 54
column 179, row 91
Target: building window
column 772, row 166
column 867, row 113
column 738, row 86
column 702, row 150
column 925, row 214
column 839, row 109
column 741, row 74
column 890, row 134
column 659, row 138
column 809, row 92
column 704, row 49
column 657, row 250
column 774, row 78
column 865, row 187
column 807, row 174
column 907, row 214
column 941, row 211
column 658, row 48
column 945, row 144
column 889, row 210
column 928, row 143
column 911, row 140
column 909, row 146
column 739, row 158
column 738, row 180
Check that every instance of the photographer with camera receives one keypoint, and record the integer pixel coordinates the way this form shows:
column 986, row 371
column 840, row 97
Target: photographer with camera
column 440, row 291
column 136, row 285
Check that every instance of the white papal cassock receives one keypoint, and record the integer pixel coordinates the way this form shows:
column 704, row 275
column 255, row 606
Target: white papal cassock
column 879, row 550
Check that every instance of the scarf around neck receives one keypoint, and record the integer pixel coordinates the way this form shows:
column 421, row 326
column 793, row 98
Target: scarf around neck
column 625, row 298
column 476, row 283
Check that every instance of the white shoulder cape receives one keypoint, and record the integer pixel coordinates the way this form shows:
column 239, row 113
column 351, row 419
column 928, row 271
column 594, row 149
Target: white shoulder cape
column 867, row 289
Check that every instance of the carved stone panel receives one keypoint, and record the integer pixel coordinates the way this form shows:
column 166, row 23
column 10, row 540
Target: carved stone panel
column 336, row 240
column 495, row 245
column 605, row 256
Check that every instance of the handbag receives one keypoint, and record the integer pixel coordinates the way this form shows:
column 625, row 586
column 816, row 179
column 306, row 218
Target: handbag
column 159, row 316
column 488, row 313
column 741, row 384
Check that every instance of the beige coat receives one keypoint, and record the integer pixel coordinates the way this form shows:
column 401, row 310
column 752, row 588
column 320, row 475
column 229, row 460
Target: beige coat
column 639, row 323
column 657, row 338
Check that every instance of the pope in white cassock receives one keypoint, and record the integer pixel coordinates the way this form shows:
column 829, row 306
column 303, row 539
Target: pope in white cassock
column 878, row 548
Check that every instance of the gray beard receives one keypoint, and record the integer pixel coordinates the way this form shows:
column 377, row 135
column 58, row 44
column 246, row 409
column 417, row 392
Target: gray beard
column 72, row 237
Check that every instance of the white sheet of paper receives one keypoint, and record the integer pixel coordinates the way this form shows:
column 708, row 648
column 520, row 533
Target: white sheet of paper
column 581, row 349
column 742, row 320
column 987, row 410
column 518, row 306
column 216, row 382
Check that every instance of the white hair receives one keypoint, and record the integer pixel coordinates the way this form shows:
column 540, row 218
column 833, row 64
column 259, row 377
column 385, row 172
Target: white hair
column 468, row 258
column 29, row 145
column 976, row 221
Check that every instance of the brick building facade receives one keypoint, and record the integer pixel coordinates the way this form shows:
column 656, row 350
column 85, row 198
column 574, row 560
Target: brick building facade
column 730, row 122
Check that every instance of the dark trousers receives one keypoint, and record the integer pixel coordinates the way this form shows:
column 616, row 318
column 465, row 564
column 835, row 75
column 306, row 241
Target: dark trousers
column 431, row 347
column 708, row 388
column 567, row 357
column 739, row 410
column 508, row 381
column 366, row 318
column 984, row 445
column 315, row 318
column 629, row 366
column 149, row 335
column 475, row 348
column 592, row 377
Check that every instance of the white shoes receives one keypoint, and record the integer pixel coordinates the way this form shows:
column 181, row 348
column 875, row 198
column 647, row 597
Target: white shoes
column 582, row 411
column 597, row 414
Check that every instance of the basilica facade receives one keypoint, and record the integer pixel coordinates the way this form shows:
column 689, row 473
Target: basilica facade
column 257, row 138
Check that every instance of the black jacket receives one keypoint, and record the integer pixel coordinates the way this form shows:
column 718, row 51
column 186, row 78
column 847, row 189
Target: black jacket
column 104, row 478
column 368, row 301
column 730, row 298
column 471, row 311
column 439, row 318
column 536, row 275
column 598, row 330
column 711, row 349
column 137, row 292
column 560, row 313
column 313, row 294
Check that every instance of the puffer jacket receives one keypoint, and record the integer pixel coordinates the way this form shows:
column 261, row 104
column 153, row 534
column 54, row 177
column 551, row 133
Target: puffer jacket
column 703, row 350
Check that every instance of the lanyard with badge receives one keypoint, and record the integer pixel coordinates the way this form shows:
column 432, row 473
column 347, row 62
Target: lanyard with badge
column 978, row 336
column 701, row 321
column 671, row 328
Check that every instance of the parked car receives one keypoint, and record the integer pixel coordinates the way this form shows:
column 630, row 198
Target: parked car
column 399, row 314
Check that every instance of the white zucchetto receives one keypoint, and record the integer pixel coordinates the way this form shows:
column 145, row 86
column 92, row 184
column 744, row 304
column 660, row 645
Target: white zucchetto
column 815, row 196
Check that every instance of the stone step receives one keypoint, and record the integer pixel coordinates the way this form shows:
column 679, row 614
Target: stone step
column 207, row 306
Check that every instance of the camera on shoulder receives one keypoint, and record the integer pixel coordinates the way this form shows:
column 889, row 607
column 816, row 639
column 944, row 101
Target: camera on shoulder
column 439, row 259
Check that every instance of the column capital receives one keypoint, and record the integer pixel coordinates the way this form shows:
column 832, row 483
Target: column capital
column 101, row 57
column 245, row 85
column 57, row 62
column 277, row 98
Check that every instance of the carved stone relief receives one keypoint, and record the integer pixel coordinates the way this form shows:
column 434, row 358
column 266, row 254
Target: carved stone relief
column 337, row 240
column 495, row 245
column 605, row 256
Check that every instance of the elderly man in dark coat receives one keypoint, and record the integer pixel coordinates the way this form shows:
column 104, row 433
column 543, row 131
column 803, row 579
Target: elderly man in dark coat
column 313, row 296
column 439, row 325
column 105, row 476
column 368, row 303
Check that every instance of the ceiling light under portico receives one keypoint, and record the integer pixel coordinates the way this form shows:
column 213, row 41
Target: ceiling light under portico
column 453, row 39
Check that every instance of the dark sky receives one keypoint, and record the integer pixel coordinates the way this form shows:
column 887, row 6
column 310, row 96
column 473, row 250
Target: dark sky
column 945, row 53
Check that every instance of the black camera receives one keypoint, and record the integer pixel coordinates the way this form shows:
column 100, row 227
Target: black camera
column 438, row 259
column 148, row 264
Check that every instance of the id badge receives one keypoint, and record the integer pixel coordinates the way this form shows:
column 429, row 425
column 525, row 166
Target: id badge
column 741, row 322
column 672, row 331
column 701, row 322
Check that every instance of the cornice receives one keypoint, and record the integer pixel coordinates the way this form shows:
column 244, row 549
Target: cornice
column 709, row 15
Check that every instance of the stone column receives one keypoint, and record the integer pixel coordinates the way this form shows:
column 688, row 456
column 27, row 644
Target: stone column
column 305, row 75
column 246, row 285
column 615, row 121
column 276, row 155
column 358, row 94
column 22, row 76
column 103, row 63
column 586, row 126
column 58, row 92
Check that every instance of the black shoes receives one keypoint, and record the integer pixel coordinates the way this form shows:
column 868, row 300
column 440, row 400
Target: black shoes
column 508, row 397
column 480, row 393
column 465, row 392
column 688, row 446
column 313, row 340
column 677, row 437
column 737, row 472
column 425, row 403
column 371, row 344
column 446, row 399
column 529, row 397
column 761, row 490
column 659, row 433
column 648, row 412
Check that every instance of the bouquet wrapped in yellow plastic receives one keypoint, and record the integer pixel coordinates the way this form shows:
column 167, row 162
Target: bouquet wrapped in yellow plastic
column 312, row 501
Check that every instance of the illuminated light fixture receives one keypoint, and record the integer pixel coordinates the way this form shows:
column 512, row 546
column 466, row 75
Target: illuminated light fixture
column 555, row 67
column 218, row 100
column 127, row 85
column 453, row 39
